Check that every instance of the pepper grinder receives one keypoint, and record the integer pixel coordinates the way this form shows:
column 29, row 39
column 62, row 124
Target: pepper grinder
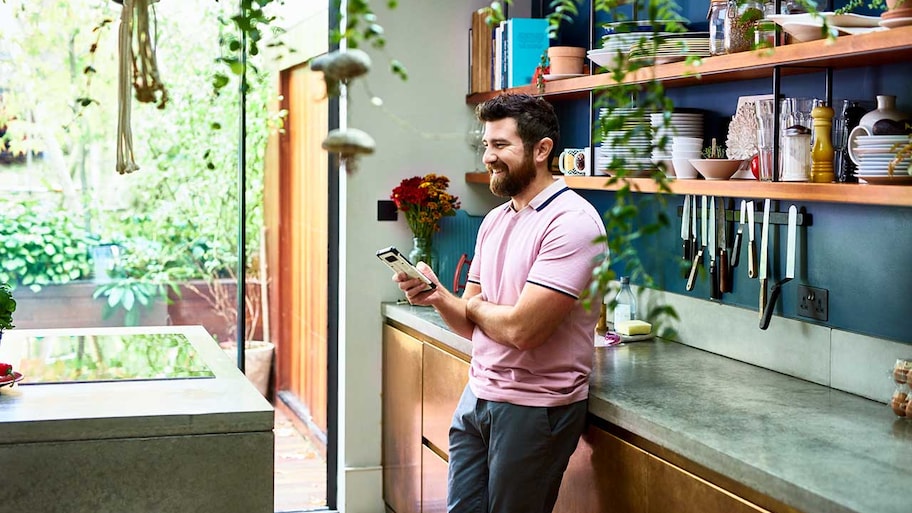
column 822, row 152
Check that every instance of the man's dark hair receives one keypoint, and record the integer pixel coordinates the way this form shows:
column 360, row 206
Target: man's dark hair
column 535, row 118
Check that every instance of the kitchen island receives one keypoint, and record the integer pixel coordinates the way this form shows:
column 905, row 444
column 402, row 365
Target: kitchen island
column 172, row 439
column 744, row 438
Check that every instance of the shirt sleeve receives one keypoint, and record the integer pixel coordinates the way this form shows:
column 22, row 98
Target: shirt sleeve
column 568, row 253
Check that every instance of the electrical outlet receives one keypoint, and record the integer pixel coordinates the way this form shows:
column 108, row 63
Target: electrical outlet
column 386, row 211
column 813, row 303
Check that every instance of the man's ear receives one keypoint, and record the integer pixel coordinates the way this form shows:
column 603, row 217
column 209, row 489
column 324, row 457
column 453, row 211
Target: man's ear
column 543, row 149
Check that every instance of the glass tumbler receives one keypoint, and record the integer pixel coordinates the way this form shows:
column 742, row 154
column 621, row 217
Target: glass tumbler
column 766, row 117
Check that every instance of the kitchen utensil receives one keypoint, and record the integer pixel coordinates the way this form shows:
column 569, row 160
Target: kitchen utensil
column 764, row 245
column 751, row 246
column 713, row 252
column 685, row 229
column 790, row 248
column 736, row 245
column 699, row 258
column 724, row 268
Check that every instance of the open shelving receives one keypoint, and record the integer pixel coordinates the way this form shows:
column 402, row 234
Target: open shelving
column 873, row 48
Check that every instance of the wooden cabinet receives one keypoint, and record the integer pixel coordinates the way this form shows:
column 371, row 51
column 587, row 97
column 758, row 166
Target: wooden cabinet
column 609, row 475
column 422, row 384
column 433, row 481
column 445, row 377
column 401, row 421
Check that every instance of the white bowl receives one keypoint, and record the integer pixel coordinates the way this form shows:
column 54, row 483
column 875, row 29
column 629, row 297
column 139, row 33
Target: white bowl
column 716, row 169
column 683, row 169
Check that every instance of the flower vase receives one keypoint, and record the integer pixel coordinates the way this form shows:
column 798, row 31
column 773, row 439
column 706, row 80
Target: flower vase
column 422, row 251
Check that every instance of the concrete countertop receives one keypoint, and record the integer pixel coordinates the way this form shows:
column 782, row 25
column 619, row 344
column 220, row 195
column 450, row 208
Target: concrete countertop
column 814, row 448
column 226, row 403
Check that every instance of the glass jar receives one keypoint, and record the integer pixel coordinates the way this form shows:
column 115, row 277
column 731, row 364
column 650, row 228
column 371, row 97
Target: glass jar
column 718, row 12
column 796, row 154
column 739, row 24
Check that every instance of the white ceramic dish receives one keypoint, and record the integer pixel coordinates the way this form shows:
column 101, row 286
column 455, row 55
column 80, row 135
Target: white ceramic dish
column 886, row 180
column 558, row 76
column 896, row 22
column 716, row 169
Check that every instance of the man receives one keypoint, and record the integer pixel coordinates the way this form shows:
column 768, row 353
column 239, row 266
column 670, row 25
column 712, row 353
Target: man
column 522, row 414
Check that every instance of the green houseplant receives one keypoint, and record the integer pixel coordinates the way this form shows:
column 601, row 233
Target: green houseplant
column 7, row 307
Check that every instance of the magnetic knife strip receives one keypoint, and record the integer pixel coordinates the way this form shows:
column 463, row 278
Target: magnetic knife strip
column 781, row 218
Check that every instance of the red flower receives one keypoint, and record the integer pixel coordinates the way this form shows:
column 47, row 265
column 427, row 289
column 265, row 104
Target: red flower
column 425, row 200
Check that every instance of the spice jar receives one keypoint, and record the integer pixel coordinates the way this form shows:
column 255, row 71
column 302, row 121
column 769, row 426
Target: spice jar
column 796, row 154
column 739, row 24
column 718, row 12
column 900, row 400
column 900, row 370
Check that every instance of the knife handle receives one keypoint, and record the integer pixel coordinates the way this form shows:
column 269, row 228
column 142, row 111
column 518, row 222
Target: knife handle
column 736, row 251
column 762, row 296
column 714, row 292
column 771, row 304
column 751, row 259
column 693, row 270
column 725, row 284
column 688, row 250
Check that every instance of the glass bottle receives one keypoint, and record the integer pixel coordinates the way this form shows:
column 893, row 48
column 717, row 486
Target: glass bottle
column 625, row 307
column 718, row 12
column 822, row 152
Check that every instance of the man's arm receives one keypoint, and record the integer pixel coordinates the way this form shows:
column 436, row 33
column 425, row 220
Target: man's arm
column 451, row 307
column 527, row 324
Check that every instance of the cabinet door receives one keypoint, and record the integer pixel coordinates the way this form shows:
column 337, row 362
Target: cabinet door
column 604, row 474
column 401, row 421
column 433, row 482
column 609, row 475
column 445, row 376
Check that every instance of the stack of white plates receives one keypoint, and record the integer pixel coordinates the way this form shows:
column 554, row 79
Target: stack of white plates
column 657, row 47
column 673, row 47
column 681, row 124
column 632, row 142
column 873, row 155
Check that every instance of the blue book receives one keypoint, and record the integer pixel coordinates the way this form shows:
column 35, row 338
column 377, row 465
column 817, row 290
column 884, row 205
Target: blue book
column 527, row 40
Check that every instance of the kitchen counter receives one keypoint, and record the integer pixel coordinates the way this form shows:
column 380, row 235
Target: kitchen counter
column 135, row 445
column 811, row 447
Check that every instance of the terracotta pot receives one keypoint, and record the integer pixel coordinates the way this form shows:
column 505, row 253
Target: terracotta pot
column 566, row 60
column 257, row 362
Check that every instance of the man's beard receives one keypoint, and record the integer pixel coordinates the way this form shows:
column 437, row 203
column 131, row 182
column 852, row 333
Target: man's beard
column 513, row 181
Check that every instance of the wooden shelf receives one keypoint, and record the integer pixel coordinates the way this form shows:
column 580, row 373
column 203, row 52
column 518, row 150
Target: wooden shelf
column 874, row 48
column 861, row 194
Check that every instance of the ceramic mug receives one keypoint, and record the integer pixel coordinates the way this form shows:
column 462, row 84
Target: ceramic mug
column 575, row 161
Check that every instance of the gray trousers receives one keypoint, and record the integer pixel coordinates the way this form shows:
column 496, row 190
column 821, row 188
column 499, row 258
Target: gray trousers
column 509, row 459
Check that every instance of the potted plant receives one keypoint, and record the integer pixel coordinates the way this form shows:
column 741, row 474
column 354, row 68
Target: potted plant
column 222, row 299
column 7, row 307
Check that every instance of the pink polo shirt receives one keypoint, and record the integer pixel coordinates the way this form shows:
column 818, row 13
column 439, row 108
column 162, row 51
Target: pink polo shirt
column 548, row 243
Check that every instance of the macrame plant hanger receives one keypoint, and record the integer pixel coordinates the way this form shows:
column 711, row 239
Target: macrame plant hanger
column 138, row 70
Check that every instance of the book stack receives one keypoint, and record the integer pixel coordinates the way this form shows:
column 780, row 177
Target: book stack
column 515, row 48
column 482, row 40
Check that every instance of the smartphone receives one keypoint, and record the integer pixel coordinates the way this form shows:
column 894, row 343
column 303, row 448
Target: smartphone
column 398, row 263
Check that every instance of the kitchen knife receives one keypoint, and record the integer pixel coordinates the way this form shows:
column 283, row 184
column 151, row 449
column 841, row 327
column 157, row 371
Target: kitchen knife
column 693, row 226
column 751, row 246
column 790, row 248
column 764, row 245
column 713, row 251
column 724, row 264
column 699, row 257
column 736, row 245
column 685, row 229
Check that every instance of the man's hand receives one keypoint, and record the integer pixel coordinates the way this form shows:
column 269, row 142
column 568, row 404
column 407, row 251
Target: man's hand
column 414, row 288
